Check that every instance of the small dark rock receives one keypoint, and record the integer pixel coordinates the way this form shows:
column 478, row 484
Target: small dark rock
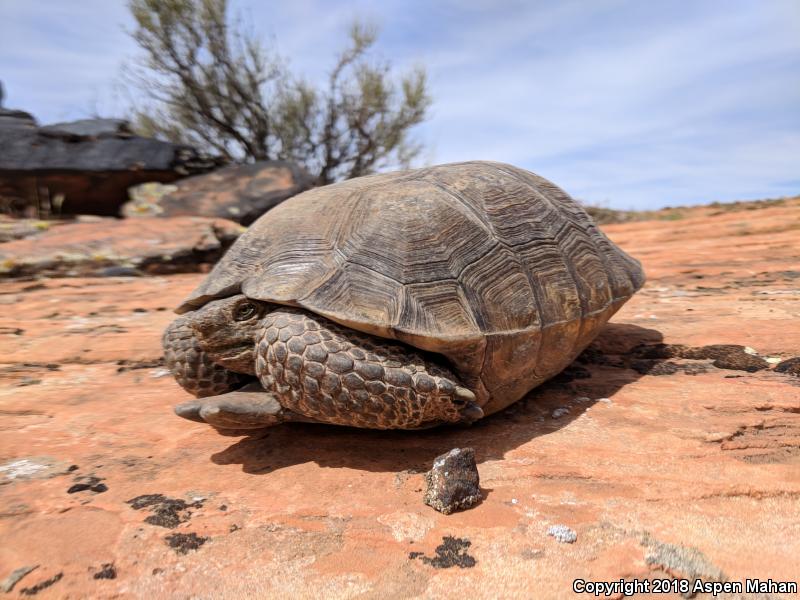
column 694, row 369
column 661, row 367
column 145, row 500
column 727, row 356
column 453, row 482
column 654, row 367
column 658, row 351
column 108, row 571
column 790, row 366
column 42, row 585
column 452, row 552
column 711, row 351
column 167, row 512
column 182, row 543
column 167, row 518
column 90, row 482
column 742, row 362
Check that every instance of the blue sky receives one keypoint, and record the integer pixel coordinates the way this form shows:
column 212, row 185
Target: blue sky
column 624, row 103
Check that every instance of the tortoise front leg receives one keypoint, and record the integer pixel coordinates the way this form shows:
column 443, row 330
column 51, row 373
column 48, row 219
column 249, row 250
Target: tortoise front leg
column 337, row 375
column 248, row 408
column 191, row 366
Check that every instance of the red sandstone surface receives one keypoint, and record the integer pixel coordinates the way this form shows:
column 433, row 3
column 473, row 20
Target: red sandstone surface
column 92, row 247
column 663, row 467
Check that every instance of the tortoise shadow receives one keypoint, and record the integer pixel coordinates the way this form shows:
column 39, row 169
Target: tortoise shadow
column 600, row 372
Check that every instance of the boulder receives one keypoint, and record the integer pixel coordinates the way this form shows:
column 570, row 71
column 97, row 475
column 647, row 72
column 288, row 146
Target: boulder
column 88, row 128
column 241, row 193
column 16, row 119
column 83, row 167
column 120, row 247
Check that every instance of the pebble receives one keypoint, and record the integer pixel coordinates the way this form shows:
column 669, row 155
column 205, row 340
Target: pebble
column 453, row 482
column 560, row 412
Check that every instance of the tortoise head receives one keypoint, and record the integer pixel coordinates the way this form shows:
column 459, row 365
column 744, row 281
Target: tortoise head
column 226, row 330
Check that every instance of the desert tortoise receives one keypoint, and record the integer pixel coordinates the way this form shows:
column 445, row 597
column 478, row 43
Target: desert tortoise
column 398, row 300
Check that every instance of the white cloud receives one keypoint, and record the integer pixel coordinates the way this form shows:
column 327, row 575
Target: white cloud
column 59, row 59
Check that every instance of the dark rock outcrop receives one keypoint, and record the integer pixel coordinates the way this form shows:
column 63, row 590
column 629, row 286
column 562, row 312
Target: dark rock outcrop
column 790, row 366
column 241, row 193
column 83, row 167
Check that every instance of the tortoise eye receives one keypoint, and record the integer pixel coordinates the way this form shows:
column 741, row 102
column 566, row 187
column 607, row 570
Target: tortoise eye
column 244, row 311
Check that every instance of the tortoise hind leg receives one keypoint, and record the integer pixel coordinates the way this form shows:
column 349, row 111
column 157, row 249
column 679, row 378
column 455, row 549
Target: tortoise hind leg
column 337, row 375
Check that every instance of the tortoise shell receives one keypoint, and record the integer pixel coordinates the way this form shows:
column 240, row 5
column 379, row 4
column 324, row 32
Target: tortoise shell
column 489, row 265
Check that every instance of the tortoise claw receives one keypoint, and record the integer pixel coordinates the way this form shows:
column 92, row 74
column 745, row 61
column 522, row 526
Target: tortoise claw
column 190, row 410
column 250, row 413
column 471, row 413
column 464, row 395
column 251, row 407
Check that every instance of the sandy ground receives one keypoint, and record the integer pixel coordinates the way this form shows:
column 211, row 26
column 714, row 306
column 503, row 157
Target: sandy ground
column 663, row 467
